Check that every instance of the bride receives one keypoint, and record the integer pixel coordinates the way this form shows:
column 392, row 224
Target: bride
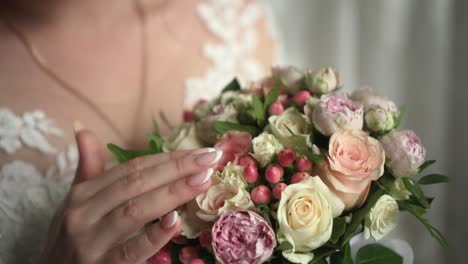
column 111, row 65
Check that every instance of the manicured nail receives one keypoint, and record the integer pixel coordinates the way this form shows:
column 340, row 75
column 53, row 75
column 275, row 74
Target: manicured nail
column 200, row 178
column 209, row 158
column 169, row 220
column 77, row 126
column 203, row 150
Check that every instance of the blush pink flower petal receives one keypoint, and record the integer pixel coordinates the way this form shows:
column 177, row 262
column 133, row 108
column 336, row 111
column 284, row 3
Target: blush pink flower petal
column 234, row 145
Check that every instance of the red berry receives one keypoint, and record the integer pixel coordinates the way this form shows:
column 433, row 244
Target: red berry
column 187, row 253
column 303, row 164
column 162, row 257
column 274, row 173
column 189, row 116
column 261, row 194
column 276, row 108
column 301, row 97
column 247, row 160
column 278, row 190
column 205, row 238
column 250, row 174
column 286, row 157
column 299, row 176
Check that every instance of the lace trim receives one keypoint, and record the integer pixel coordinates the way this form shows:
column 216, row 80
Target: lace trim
column 233, row 23
column 31, row 130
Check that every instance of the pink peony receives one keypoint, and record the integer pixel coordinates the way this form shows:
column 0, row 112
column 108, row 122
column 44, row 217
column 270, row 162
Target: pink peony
column 404, row 151
column 336, row 111
column 242, row 237
column 234, row 145
column 354, row 160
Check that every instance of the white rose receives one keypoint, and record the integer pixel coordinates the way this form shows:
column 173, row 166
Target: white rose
column 183, row 138
column 305, row 217
column 265, row 147
column 233, row 174
column 192, row 226
column 380, row 120
column 220, row 197
column 237, row 99
column 323, row 80
column 381, row 218
column 291, row 127
column 398, row 190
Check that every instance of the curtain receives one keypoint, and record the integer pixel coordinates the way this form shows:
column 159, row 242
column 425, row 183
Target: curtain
column 415, row 53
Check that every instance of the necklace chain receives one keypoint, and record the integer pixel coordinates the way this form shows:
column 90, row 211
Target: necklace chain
column 42, row 63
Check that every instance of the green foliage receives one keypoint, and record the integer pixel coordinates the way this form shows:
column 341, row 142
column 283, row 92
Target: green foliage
column 285, row 245
column 342, row 257
column 155, row 145
column 400, row 116
column 416, row 192
column 339, row 227
column 232, row 86
column 426, row 165
column 433, row 179
column 377, row 254
column 272, row 96
column 222, row 127
column 259, row 111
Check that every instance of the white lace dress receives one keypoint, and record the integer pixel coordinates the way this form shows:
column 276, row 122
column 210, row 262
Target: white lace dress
column 29, row 195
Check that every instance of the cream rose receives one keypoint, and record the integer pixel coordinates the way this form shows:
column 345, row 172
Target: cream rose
column 323, row 80
column 398, row 190
column 354, row 160
column 183, row 138
column 305, row 217
column 233, row 174
column 220, row 197
column 265, row 147
column 238, row 100
column 381, row 218
column 289, row 121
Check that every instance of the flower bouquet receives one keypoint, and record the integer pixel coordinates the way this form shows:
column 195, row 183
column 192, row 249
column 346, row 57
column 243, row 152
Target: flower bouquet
column 304, row 169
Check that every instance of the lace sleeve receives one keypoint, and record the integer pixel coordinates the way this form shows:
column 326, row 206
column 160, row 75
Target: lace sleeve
column 30, row 193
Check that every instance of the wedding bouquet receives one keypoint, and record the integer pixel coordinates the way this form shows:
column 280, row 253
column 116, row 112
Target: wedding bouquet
column 304, row 169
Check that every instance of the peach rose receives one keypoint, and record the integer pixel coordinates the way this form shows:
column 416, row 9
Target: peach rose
column 355, row 159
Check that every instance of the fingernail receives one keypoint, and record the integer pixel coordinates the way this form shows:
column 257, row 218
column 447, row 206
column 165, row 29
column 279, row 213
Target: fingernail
column 77, row 126
column 200, row 178
column 169, row 220
column 209, row 158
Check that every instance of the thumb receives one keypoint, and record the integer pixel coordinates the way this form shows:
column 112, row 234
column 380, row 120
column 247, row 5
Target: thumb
column 91, row 155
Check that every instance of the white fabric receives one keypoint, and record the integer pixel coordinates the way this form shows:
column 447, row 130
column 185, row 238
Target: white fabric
column 414, row 52
column 29, row 197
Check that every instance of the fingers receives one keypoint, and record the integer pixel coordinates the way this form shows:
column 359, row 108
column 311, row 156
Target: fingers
column 141, row 247
column 141, row 181
column 151, row 205
column 91, row 155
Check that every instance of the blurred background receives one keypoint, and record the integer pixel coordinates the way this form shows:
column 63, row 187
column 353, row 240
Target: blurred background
column 416, row 53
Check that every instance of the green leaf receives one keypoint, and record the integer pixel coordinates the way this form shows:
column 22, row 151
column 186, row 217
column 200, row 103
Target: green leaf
column 426, row 164
column 272, row 96
column 411, row 208
column 339, row 227
column 123, row 155
column 377, row 254
column 247, row 117
column 321, row 260
column 232, row 86
column 433, row 179
column 156, row 143
column 400, row 116
column 416, row 192
column 285, row 245
column 342, row 257
column 157, row 131
column 222, row 126
column 321, row 254
column 259, row 111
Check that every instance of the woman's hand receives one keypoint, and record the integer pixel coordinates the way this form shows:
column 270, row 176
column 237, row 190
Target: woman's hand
column 104, row 209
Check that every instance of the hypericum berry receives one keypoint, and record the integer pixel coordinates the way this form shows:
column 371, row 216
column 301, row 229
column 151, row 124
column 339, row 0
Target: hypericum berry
column 303, row 164
column 187, row 253
column 189, row 116
column 250, row 174
column 197, row 261
column 261, row 194
column 301, row 97
column 276, row 108
column 286, row 157
column 278, row 190
column 274, row 173
column 299, row 176
column 247, row 160
column 162, row 257
column 205, row 238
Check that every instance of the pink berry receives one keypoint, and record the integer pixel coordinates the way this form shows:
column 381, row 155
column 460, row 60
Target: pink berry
column 278, row 190
column 261, row 194
column 301, row 97
column 250, row 174
column 162, row 257
column 187, row 253
column 299, row 176
column 197, row 261
column 286, row 157
column 303, row 164
column 276, row 108
column 247, row 160
column 205, row 238
column 274, row 173
column 189, row 116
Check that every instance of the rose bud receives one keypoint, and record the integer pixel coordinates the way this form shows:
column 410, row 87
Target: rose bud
column 301, row 98
column 323, row 80
column 247, row 160
column 299, row 176
column 250, row 174
column 276, row 108
column 162, row 257
column 278, row 189
column 303, row 164
column 286, row 157
column 197, row 261
column 274, row 173
column 380, row 120
column 205, row 238
column 261, row 194
column 187, row 253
